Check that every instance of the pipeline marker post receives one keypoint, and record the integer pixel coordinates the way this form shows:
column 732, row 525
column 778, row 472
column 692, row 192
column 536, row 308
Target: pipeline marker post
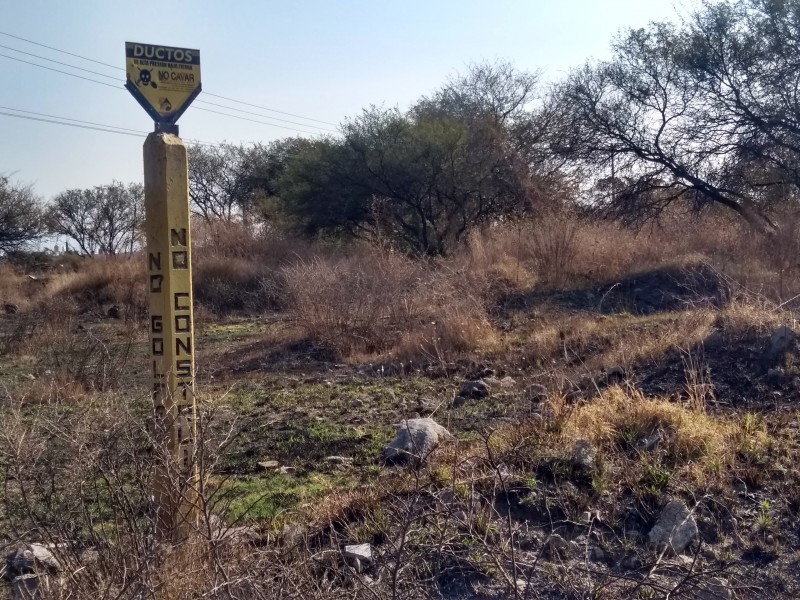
column 164, row 80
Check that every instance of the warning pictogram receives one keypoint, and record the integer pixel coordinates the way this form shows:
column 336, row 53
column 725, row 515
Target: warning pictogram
column 163, row 79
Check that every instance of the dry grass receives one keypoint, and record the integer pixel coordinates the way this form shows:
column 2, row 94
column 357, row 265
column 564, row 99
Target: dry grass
column 619, row 419
column 383, row 303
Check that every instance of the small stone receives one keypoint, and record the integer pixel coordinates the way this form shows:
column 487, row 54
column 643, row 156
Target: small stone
column 10, row 308
column 507, row 382
column 536, row 393
column 597, row 554
column 25, row 587
column 31, row 558
column 416, row 440
column 339, row 460
column 675, row 529
column 631, row 562
column 287, row 470
column 293, row 533
column 361, row 552
column 782, row 341
column 556, row 546
column 615, row 375
column 115, row 312
column 649, row 442
column 458, row 401
column 776, row 376
column 358, row 403
column 475, row 389
column 713, row 588
column 583, row 454
column 268, row 465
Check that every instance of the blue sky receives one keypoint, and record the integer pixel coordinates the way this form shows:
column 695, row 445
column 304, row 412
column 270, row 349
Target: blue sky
column 320, row 59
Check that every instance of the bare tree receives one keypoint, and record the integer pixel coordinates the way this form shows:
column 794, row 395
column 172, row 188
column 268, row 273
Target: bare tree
column 702, row 111
column 105, row 219
column 20, row 216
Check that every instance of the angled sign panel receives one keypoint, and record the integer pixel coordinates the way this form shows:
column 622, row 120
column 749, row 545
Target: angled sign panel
column 163, row 79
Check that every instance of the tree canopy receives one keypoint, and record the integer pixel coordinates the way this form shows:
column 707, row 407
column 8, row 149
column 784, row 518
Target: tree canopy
column 705, row 110
column 20, row 216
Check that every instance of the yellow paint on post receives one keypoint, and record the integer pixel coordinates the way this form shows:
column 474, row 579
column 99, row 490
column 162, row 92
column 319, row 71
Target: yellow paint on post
column 166, row 188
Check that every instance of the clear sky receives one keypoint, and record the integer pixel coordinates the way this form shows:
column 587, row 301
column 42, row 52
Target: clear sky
column 320, row 59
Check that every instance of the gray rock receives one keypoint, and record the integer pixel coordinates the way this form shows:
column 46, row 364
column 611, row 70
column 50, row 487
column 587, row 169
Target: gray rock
column 557, row 547
column 269, row 465
column 358, row 403
column 782, row 341
column 536, row 393
column 361, row 552
column 293, row 534
column 475, row 389
column 416, row 440
column 675, row 529
column 458, row 401
column 339, row 460
column 115, row 312
column 776, row 376
column 10, row 308
column 597, row 554
column 713, row 588
column 614, row 375
column 26, row 587
column 31, row 558
column 631, row 562
column 649, row 442
column 583, row 454
column 507, row 382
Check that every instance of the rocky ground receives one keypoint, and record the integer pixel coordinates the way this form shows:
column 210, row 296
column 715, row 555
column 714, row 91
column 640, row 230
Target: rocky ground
column 631, row 440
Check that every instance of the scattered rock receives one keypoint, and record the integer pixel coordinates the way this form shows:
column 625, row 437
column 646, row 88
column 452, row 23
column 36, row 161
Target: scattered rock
column 287, row 470
column 583, row 454
column 293, row 534
column 10, row 308
column 475, row 389
column 416, row 439
column 675, row 529
column 614, row 375
column 557, row 547
column 358, row 403
column 25, row 587
column 776, row 376
column 458, row 401
column 631, row 562
column 782, row 341
column 31, row 558
column 115, row 312
column 536, row 393
column 597, row 554
column 268, row 465
column 362, row 552
column 649, row 442
column 339, row 460
column 713, row 588
column 507, row 382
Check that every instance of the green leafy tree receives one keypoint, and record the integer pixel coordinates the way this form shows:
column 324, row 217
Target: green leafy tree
column 422, row 179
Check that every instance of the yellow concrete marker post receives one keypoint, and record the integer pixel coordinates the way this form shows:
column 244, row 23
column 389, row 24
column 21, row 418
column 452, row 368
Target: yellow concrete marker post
column 166, row 191
column 165, row 80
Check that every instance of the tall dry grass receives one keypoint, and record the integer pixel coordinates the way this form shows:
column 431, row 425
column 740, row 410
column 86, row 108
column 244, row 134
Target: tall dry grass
column 375, row 302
